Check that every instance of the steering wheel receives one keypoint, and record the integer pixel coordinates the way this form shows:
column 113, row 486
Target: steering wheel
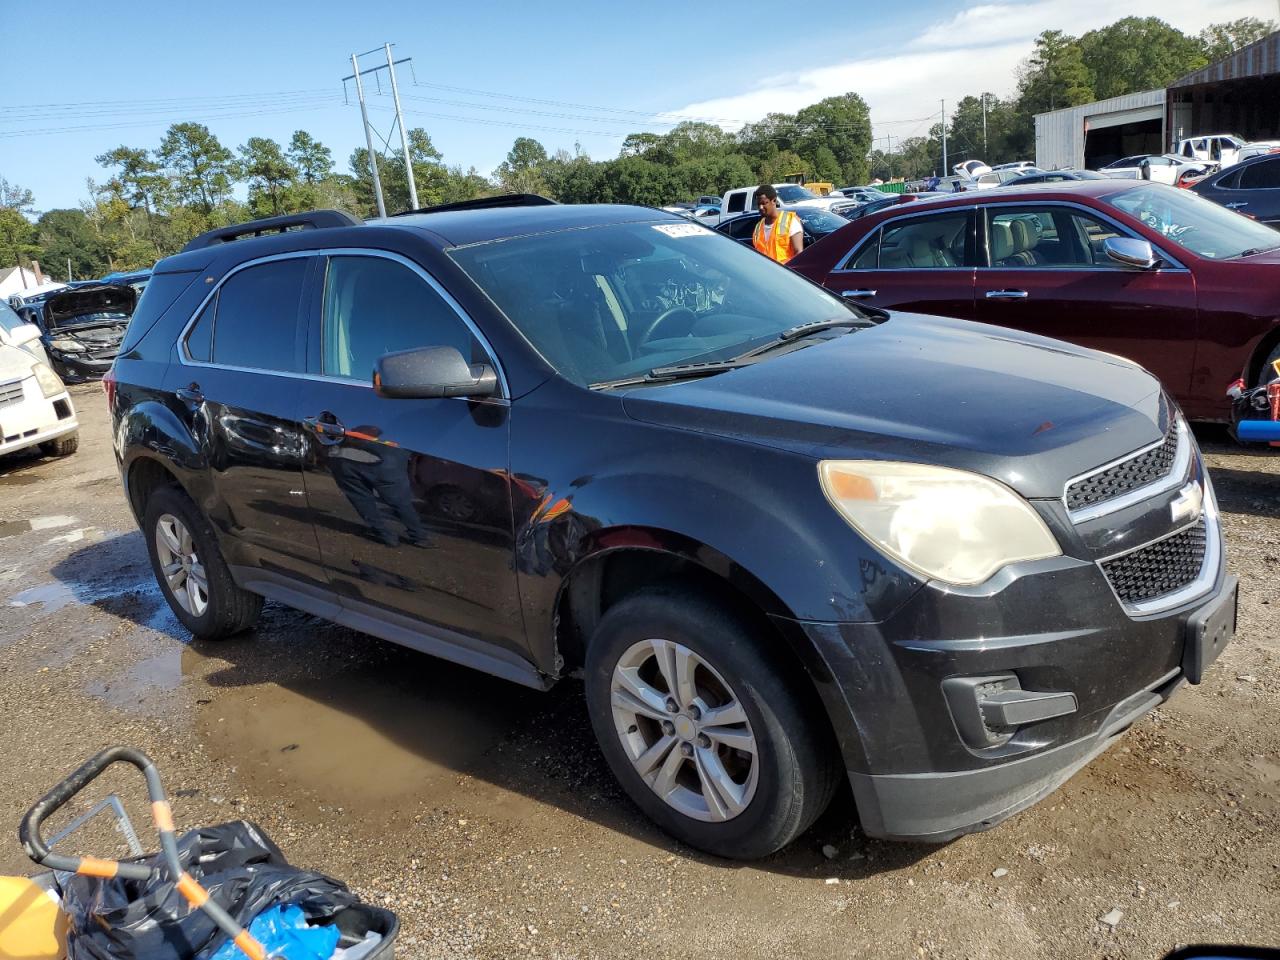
column 666, row 317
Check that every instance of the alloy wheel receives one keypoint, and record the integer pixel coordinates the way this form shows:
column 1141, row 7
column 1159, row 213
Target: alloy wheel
column 684, row 730
column 184, row 574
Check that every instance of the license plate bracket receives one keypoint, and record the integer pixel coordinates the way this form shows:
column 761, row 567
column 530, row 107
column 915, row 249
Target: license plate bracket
column 1209, row 631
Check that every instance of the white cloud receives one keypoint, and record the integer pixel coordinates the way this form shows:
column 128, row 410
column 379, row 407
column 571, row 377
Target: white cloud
column 977, row 49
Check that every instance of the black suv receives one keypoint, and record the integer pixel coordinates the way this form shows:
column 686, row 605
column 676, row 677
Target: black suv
column 785, row 539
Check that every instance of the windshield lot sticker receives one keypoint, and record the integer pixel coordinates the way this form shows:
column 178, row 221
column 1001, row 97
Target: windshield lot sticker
column 682, row 230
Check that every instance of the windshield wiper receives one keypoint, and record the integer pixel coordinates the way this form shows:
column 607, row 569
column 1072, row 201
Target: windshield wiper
column 799, row 332
column 1254, row 251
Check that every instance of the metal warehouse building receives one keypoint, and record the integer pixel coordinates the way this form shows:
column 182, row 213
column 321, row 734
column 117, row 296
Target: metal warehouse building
column 1239, row 94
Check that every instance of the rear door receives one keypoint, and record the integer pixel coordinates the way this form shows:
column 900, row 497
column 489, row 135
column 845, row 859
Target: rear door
column 918, row 262
column 1048, row 274
column 1257, row 192
column 241, row 364
column 410, row 497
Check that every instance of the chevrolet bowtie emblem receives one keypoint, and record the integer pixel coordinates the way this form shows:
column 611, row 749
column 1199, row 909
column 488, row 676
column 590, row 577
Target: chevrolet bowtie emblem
column 1188, row 504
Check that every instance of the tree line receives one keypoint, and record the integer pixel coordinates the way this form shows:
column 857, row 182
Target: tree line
column 153, row 200
column 1130, row 55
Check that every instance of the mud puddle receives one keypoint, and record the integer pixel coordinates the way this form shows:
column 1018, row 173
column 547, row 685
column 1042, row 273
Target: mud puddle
column 12, row 528
column 373, row 734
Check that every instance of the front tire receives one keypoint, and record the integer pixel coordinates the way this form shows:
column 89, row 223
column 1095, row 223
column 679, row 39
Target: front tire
column 191, row 571
column 63, row 446
column 701, row 727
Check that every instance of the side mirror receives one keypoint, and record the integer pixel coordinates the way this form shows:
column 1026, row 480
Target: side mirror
column 1138, row 254
column 24, row 334
column 432, row 372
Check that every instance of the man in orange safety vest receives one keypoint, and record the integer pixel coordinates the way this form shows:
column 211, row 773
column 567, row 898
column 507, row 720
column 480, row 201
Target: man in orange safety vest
column 779, row 233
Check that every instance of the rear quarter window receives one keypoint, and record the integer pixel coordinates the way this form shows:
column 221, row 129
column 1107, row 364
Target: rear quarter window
column 161, row 294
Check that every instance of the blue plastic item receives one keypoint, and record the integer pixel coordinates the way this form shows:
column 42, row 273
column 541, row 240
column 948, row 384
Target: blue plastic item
column 284, row 932
column 1258, row 430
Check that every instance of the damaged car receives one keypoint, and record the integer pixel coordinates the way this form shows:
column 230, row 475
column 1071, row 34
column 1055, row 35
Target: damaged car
column 82, row 327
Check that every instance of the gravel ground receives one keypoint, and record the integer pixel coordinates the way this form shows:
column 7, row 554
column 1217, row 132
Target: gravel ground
column 482, row 814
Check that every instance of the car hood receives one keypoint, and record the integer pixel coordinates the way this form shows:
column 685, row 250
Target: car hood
column 1026, row 410
column 15, row 363
column 63, row 309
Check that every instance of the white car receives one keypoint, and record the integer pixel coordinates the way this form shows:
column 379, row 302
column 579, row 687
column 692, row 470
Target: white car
column 1161, row 167
column 34, row 406
column 1220, row 148
column 1023, row 166
column 16, row 332
column 1256, row 149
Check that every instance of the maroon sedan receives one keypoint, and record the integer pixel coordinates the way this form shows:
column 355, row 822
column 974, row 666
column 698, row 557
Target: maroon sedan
column 1184, row 287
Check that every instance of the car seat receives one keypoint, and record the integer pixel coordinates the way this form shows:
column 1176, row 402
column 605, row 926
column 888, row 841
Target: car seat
column 1025, row 240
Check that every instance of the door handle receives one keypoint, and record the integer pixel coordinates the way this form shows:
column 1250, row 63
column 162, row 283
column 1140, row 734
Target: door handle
column 1006, row 294
column 857, row 294
column 326, row 428
column 1238, row 203
column 189, row 394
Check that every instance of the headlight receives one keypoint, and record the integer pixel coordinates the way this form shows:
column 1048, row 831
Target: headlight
column 50, row 383
column 944, row 524
column 67, row 345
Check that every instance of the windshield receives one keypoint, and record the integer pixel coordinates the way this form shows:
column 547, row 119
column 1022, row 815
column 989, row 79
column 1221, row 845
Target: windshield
column 9, row 319
column 614, row 301
column 790, row 193
column 1194, row 223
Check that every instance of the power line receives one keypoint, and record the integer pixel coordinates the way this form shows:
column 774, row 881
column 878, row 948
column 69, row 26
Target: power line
column 87, row 128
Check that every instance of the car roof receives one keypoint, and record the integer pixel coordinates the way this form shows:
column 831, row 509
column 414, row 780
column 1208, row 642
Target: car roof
column 1063, row 190
column 464, row 227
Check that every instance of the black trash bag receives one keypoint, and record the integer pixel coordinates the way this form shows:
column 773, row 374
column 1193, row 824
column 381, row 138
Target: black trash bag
column 244, row 872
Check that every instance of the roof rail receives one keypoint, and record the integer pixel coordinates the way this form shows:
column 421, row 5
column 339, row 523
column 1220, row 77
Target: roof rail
column 312, row 220
column 486, row 203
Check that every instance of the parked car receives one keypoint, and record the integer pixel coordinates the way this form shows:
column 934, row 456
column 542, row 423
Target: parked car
column 1016, row 165
column 863, row 194
column 743, row 199
column 1158, row 275
column 1251, row 187
column 1162, row 168
column 706, row 200
column 768, row 558
column 996, row 178
column 816, row 224
column 1218, row 148
column 1054, row 176
column 16, row 332
column 1257, row 149
column 82, row 326
column 970, row 169
column 34, row 406
column 708, row 215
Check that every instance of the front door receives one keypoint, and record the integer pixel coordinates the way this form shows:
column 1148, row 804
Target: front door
column 236, row 387
column 1049, row 275
column 921, row 263
column 409, row 497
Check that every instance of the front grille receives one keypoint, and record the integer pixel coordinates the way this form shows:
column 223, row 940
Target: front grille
column 1159, row 568
column 10, row 393
column 1148, row 467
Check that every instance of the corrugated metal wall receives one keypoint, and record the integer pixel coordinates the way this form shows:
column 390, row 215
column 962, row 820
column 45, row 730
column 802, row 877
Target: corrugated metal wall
column 1060, row 133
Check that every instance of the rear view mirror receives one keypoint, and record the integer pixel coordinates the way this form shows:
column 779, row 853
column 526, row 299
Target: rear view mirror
column 1130, row 252
column 432, row 372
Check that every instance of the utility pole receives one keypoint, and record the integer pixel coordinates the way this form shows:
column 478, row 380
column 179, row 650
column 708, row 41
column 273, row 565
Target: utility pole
column 368, row 139
column 404, row 137
column 356, row 74
column 945, row 168
column 68, row 269
column 984, row 126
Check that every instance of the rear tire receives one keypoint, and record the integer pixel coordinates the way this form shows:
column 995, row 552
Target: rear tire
column 63, row 446
column 750, row 764
column 190, row 569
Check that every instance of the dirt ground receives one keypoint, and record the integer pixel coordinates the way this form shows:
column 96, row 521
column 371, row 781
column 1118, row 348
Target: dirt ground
column 482, row 814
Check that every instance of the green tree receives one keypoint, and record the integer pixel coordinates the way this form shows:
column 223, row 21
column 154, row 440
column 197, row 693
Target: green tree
column 138, row 177
column 966, row 137
column 1138, row 53
column 694, row 140
column 826, row 167
column 18, row 240
column 1220, row 40
column 521, row 171
column 203, row 170
column 842, row 124
column 312, row 159
column 781, row 165
column 1054, row 76
column 67, row 236
column 269, row 174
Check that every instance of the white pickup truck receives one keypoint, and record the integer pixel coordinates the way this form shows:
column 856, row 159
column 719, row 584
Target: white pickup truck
column 743, row 200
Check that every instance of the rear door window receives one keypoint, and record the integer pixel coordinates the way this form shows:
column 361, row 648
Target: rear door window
column 1263, row 175
column 256, row 324
column 933, row 242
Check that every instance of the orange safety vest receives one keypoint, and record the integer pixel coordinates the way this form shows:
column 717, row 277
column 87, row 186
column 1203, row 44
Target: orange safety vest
column 778, row 246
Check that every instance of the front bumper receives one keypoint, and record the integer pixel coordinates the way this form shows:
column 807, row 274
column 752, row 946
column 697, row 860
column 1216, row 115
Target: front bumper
column 76, row 367
column 915, row 774
column 35, row 418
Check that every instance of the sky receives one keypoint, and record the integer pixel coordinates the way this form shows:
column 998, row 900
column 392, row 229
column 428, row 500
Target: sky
column 89, row 78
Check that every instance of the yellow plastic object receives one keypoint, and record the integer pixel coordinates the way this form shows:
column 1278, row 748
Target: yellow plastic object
column 31, row 925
